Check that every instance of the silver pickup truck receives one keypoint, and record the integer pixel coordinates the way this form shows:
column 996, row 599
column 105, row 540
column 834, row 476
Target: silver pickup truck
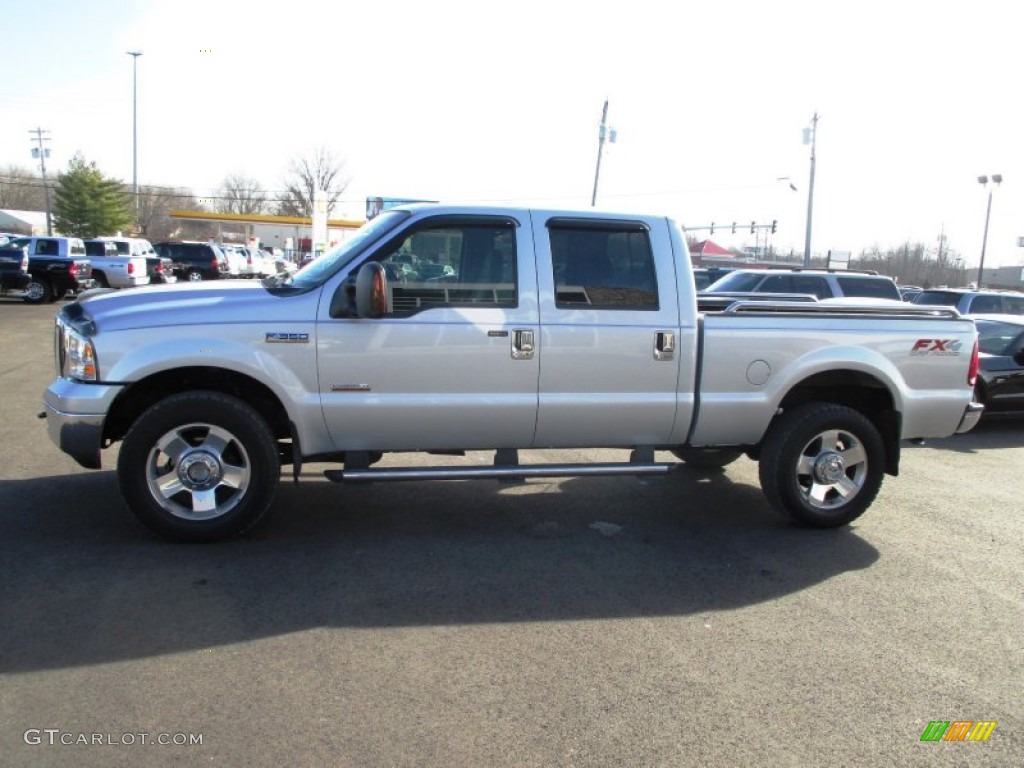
column 445, row 329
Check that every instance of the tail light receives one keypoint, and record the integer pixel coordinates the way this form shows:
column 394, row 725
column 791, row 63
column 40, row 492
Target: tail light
column 159, row 268
column 73, row 269
column 972, row 369
column 131, row 268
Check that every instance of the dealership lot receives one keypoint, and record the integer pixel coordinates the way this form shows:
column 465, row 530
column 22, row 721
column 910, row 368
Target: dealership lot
column 672, row 621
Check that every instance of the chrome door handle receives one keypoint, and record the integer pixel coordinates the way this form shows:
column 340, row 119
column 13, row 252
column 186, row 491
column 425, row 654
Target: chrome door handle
column 522, row 345
column 664, row 345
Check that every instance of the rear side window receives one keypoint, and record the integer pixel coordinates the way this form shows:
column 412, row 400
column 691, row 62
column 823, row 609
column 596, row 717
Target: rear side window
column 869, row 287
column 984, row 305
column 938, row 298
column 47, row 247
column 603, row 266
column 796, row 283
column 1013, row 305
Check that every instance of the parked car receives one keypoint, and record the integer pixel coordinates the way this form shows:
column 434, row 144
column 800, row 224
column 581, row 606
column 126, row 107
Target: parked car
column 195, row 261
column 130, row 246
column 160, row 270
column 14, row 268
column 1000, row 385
column 238, row 262
column 112, row 268
column 56, row 266
column 822, row 283
column 970, row 302
column 705, row 276
column 258, row 263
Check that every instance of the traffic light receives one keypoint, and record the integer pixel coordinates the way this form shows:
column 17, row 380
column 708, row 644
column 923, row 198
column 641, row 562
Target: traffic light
column 774, row 225
column 753, row 226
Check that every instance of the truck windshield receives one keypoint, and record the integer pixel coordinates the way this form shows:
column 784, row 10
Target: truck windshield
column 322, row 267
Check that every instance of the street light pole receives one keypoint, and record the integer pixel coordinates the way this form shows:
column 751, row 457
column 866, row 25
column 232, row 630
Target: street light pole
column 997, row 179
column 135, row 130
column 810, row 137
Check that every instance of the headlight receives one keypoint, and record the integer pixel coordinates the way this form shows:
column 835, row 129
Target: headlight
column 78, row 360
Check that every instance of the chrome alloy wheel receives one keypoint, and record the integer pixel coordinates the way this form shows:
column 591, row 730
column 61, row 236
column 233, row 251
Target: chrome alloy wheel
column 832, row 469
column 198, row 471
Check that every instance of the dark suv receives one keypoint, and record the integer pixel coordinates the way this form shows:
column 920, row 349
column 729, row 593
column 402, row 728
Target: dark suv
column 969, row 302
column 822, row 283
column 195, row 261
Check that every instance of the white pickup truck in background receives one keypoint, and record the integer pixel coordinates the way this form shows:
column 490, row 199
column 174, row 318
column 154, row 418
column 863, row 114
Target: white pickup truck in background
column 448, row 328
column 112, row 268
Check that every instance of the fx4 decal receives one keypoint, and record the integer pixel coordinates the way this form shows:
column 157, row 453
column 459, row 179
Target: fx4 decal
column 936, row 347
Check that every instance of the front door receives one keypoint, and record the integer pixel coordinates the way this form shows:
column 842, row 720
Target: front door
column 454, row 365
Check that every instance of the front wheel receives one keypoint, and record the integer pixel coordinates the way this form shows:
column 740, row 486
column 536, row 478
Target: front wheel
column 199, row 466
column 822, row 464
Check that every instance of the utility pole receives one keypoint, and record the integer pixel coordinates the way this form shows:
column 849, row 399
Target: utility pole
column 42, row 153
column 810, row 137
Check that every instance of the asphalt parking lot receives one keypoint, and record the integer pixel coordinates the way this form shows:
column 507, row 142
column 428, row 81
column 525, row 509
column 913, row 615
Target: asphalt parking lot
column 674, row 621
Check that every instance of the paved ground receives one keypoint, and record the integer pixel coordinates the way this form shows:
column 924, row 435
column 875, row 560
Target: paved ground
column 478, row 624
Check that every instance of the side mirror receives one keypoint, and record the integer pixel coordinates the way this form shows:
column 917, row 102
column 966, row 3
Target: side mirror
column 373, row 295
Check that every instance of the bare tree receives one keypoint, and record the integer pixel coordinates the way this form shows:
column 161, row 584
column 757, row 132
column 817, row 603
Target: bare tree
column 21, row 190
column 242, row 195
column 155, row 206
column 321, row 170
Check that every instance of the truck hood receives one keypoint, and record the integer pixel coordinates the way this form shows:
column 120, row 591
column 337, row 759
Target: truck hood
column 221, row 301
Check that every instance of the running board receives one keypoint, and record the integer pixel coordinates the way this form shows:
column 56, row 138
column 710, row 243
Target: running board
column 497, row 472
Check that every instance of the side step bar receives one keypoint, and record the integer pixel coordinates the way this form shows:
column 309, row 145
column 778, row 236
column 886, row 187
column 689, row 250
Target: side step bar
column 516, row 471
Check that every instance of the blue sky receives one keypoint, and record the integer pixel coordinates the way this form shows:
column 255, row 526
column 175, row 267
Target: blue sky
column 494, row 102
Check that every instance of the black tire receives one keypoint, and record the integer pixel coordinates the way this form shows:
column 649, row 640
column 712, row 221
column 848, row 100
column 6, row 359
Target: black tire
column 822, row 464
column 38, row 291
column 101, row 279
column 707, row 458
column 59, row 293
column 199, row 466
column 194, row 276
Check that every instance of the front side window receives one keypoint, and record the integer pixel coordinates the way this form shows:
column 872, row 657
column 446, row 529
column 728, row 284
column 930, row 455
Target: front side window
column 455, row 264
column 603, row 266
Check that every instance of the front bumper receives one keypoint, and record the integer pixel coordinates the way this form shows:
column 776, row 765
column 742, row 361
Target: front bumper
column 75, row 413
column 972, row 414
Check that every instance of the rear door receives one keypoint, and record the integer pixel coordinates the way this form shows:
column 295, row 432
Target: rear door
column 609, row 316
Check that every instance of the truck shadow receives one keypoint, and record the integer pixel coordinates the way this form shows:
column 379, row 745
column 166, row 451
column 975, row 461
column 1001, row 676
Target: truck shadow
column 85, row 584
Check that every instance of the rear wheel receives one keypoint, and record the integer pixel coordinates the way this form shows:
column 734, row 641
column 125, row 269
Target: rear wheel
column 38, row 291
column 199, row 466
column 195, row 276
column 822, row 464
column 101, row 279
column 59, row 293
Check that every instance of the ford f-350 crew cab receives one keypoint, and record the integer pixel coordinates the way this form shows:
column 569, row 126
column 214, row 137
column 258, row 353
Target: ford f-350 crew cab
column 445, row 329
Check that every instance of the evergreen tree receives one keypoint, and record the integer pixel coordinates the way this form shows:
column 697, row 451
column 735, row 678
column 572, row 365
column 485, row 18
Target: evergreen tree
column 89, row 204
